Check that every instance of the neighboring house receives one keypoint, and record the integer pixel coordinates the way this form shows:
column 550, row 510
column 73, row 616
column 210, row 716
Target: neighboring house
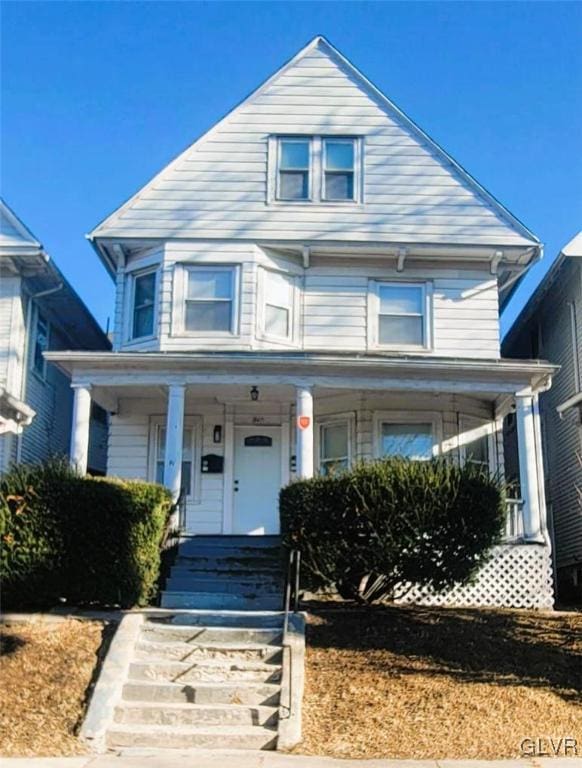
column 39, row 311
column 314, row 281
column 550, row 326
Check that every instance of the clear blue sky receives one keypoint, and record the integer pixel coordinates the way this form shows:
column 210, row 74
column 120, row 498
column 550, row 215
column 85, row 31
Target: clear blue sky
column 99, row 96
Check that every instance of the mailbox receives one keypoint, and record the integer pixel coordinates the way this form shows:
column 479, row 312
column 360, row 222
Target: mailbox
column 212, row 464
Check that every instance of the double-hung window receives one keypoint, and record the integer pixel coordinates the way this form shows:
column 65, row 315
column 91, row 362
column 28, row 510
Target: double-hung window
column 40, row 344
column 334, row 447
column 475, row 441
column 401, row 315
column 411, row 435
column 293, row 181
column 210, row 300
column 338, row 169
column 279, row 294
column 143, row 309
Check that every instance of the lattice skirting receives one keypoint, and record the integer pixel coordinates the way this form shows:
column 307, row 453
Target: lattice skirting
column 517, row 576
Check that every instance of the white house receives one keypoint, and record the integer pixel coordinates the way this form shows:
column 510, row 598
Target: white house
column 550, row 326
column 313, row 282
column 40, row 311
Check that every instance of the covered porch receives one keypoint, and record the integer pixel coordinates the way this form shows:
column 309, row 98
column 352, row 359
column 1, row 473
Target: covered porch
column 225, row 431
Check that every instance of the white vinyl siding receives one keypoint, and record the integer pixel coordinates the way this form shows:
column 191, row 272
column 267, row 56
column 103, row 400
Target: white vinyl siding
column 218, row 187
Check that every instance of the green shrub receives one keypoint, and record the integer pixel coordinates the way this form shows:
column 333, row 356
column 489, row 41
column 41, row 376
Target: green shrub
column 82, row 539
column 376, row 530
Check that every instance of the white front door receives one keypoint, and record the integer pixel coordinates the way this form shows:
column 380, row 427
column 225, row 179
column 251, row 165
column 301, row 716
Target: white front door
column 257, row 480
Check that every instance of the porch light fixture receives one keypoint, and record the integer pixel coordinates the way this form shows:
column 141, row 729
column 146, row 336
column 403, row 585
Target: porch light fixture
column 217, row 433
column 254, row 394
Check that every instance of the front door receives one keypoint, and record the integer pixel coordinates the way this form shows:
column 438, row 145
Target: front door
column 257, row 480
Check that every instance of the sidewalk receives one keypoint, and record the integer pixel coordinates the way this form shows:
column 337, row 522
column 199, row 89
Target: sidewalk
column 218, row 759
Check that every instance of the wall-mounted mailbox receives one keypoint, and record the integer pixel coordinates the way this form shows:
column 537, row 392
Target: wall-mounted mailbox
column 212, row 464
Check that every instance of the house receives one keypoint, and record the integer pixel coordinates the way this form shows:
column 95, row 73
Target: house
column 40, row 311
column 313, row 282
column 550, row 326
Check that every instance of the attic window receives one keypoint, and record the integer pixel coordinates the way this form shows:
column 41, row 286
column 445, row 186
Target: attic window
column 294, row 167
column 338, row 169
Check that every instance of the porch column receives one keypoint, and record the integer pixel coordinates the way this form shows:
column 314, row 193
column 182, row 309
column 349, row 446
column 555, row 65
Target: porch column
column 529, row 467
column 174, row 439
column 304, row 428
column 80, row 428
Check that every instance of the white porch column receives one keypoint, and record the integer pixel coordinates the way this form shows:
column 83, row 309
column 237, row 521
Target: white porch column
column 80, row 428
column 174, row 439
column 304, row 428
column 529, row 463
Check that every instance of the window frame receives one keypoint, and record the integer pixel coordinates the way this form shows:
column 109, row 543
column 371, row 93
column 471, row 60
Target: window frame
column 333, row 421
column 38, row 315
column 262, row 302
column 374, row 303
column 339, row 140
column 194, row 423
column 310, row 168
column 134, row 276
column 434, row 418
column 316, row 185
column 181, row 299
column 468, row 422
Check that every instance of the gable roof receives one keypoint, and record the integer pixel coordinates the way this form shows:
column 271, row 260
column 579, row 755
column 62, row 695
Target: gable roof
column 139, row 217
column 13, row 233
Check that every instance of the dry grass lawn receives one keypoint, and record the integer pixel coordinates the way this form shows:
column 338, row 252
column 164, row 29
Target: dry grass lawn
column 44, row 677
column 411, row 682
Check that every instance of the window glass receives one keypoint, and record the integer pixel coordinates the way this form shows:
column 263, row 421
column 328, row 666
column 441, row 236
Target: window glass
column 209, row 300
column 187, row 459
column 476, row 443
column 276, row 321
column 41, row 336
column 401, row 318
column 143, row 305
column 294, row 164
column 278, row 304
column 413, row 441
column 333, row 451
column 338, row 170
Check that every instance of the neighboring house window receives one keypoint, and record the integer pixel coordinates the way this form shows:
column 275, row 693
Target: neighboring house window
column 210, row 300
column 338, row 169
column 294, row 168
column 187, row 458
column 40, row 344
column 334, row 447
column 278, row 294
column 144, row 297
column 401, row 315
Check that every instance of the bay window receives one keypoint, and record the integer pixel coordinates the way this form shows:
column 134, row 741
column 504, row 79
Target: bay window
column 278, row 290
column 209, row 300
column 143, row 307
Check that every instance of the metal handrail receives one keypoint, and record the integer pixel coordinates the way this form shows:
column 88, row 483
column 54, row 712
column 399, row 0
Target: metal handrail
column 291, row 596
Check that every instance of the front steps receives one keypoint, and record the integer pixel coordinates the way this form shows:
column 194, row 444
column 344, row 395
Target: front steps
column 208, row 677
column 226, row 573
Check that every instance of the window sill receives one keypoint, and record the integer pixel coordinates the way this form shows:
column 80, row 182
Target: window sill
column 141, row 340
column 401, row 350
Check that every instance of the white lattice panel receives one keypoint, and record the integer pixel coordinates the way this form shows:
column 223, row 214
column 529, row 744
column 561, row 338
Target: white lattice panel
column 516, row 576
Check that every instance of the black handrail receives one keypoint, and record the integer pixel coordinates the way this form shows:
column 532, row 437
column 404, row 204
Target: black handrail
column 292, row 582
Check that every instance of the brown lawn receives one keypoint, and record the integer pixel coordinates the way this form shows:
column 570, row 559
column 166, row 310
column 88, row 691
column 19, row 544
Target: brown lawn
column 411, row 682
column 44, row 677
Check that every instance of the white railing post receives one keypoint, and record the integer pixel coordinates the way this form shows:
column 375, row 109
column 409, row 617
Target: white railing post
column 304, row 428
column 79, row 453
column 174, row 439
column 528, row 467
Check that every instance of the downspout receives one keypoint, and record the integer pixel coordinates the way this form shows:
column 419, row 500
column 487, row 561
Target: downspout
column 575, row 355
column 25, row 362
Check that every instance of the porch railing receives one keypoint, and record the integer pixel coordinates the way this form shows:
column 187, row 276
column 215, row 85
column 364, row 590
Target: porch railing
column 514, row 529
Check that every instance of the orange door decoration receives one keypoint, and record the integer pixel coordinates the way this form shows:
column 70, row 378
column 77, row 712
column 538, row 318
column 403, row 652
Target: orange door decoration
column 304, row 422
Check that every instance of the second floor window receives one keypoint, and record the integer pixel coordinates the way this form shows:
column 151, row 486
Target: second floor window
column 278, row 290
column 144, row 297
column 294, row 167
column 401, row 315
column 209, row 300
column 40, row 344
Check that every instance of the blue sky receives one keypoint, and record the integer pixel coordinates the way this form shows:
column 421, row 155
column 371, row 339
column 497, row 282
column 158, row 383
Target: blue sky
column 99, row 96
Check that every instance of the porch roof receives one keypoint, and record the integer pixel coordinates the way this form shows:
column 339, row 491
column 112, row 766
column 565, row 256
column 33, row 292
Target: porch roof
column 319, row 369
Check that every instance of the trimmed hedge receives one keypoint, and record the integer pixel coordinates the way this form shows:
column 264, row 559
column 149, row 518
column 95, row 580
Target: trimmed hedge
column 79, row 539
column 374, row 531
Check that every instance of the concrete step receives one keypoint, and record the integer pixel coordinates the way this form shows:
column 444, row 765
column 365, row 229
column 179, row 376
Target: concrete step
column 212, row 671
column 255, row 694
column 264, row 586
column 184, row 633
column 220, row 600
column 152, row 713
column 218, row 569
column 177, row 651
column 186, row 737
column 236, row 542
column 208, row 618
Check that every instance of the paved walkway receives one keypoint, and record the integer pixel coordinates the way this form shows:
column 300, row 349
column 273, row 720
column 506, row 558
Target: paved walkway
column 218, row 759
